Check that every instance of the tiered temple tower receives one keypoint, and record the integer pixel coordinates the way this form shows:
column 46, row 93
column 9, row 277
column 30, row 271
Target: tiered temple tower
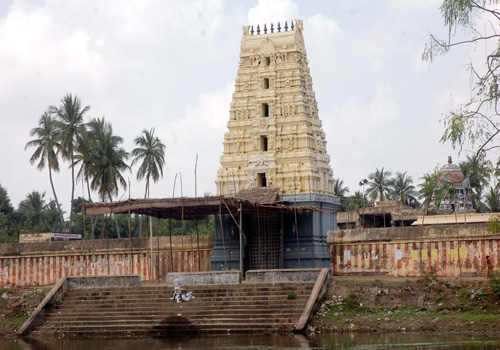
column 274, row 138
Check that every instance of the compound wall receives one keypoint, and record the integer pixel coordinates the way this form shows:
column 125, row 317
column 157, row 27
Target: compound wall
column 444, row 250
column 44, row 263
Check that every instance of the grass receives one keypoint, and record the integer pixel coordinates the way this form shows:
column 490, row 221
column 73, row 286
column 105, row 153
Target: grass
column 13, row 322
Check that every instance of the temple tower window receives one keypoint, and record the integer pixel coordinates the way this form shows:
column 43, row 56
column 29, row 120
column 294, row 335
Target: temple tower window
column 261, row 180
column 263, row 143
column 265, row 110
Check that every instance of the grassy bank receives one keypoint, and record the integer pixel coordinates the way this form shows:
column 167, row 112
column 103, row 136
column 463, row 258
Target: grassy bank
column 16, row 305
column 427, row 304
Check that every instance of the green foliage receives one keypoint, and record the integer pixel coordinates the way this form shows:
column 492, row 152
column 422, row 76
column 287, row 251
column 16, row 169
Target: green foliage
column 151, row 153
column 402, row 189
column 494, row 224
column 495, row 285
column 291, row 295
column 475, row 122
column 493, row 200
column 379, row 184
column 70, row 126
column 350, row 303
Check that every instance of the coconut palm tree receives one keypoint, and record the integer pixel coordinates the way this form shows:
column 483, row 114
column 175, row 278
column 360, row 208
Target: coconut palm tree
column 478, row 169
column 493, row 200
column 356, row 201
column 46, row 144
column 402, row 189
column 428, row 187
column 379, row 184
column 84, row 157
column 151, row 153
column 70, row 123
column 340, row 191
column 108, row 163
column 33, row 208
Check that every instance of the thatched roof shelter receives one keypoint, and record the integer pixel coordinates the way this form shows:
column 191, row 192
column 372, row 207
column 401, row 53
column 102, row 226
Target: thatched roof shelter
column 261, row 200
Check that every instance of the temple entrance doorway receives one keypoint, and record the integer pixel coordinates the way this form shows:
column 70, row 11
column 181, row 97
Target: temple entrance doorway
column 265, row 241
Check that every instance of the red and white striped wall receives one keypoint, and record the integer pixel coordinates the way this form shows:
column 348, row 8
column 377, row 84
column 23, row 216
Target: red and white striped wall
column 37, row 264
column 437, row 258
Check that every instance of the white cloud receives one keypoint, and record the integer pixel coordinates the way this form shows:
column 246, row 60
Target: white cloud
column 172, row 65
column 273, row 11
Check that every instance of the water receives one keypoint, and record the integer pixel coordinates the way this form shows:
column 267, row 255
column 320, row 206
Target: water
column 268, row 342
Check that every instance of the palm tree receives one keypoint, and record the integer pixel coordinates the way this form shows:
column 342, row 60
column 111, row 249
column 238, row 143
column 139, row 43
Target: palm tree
column 478, row 169
column 107, row 164
column 428, row 187
column 53, row 217
column 151, row 151
column 379, row 184
column 45, row 145
column 340, row 191
column 33, row 208
column 83, row 157
column 70, row 125
column 403, row 189
column 493, row 200
column 356, row 201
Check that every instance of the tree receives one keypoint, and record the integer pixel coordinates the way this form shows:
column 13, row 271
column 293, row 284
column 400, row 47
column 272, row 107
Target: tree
column 340, row 191
column 493, row 200
column 8, row 223
column 478, row 170
column 151, row 153
column 476, row 122
column 5, row 205
column 356, row 201
column 33, row 208
column 46, row 144
column 108, row 163
column 379, row 184
column 428, row 187
column 70, row 124
column 403, row 190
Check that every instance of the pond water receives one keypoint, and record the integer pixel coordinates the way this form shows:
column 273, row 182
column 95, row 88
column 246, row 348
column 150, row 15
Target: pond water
column 267, row 342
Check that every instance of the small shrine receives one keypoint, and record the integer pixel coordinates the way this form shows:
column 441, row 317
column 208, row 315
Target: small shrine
column 457, row 197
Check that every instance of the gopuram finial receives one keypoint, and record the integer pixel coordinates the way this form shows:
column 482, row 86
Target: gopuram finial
column 265, row 29
column 286, row 27
column 251, row 31
column 279, row 27
column 258, row 30
column 272, row 28
column 291, row 26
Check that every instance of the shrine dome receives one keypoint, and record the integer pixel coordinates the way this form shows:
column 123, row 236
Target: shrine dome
column 451, row 173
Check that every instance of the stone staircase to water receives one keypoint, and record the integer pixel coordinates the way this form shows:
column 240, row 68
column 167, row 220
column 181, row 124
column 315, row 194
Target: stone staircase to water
column 148, row 310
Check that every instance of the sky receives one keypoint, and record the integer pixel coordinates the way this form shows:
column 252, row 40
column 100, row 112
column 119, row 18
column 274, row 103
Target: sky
column 171, row 65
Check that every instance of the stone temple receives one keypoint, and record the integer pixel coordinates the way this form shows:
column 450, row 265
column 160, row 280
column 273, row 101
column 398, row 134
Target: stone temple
column 274, row 136
column 275, row 140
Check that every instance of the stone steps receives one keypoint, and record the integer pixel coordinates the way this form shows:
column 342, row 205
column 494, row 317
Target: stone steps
column 149, row 310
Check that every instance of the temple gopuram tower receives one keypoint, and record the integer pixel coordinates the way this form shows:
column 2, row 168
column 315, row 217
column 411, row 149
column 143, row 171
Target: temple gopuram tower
column 274, row 137
column 275, row 154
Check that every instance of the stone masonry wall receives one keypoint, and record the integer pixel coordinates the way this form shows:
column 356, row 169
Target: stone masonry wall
column 44, row 263
column 445, row 250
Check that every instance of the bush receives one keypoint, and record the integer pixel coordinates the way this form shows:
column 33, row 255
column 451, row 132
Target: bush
column 495, row 285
